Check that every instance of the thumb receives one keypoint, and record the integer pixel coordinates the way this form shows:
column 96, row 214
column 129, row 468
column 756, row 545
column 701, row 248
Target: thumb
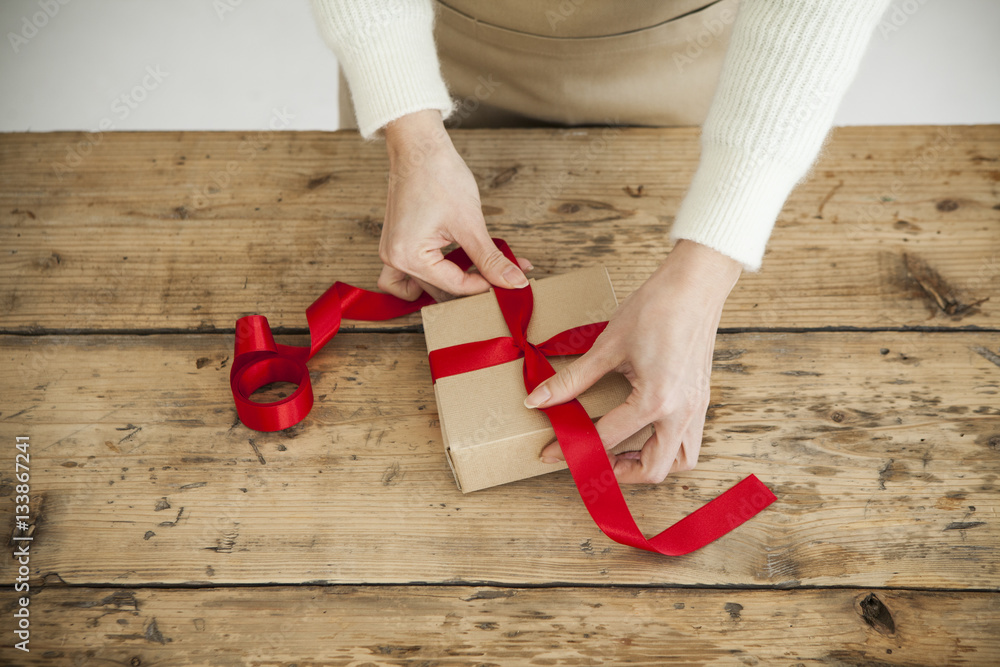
column 569, row 382
column 493, row 266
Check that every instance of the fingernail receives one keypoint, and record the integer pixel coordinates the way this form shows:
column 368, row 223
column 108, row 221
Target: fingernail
column 514, row 277
column 549, row 459
column 538, row 397
column 529, row 267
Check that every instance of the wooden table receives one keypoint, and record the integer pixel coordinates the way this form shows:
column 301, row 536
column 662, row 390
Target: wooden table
column 858, row 375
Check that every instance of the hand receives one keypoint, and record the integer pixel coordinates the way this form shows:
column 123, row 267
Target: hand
column 661, row 338
column 433, row 202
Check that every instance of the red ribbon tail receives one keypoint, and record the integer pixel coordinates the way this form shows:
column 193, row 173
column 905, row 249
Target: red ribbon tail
column 258, row 360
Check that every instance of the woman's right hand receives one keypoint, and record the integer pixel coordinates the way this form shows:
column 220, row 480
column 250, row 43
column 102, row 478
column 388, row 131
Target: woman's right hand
column 434, row 202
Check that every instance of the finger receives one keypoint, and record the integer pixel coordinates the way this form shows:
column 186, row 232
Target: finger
column 448, row 277
column 492, row 264
column 438, row 295
column 570, row 382
column 687, row 456
column 464, row 284
column 397, row 283
column 524, row 264
column 677, row 465
column 551, row 453
column 657, row 457
column 621, row 422
column 684, row 458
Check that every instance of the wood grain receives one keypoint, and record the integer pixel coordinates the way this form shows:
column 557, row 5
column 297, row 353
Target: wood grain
column 455, row 625
column 187, row 539
column 187, row 231
column 883, row 450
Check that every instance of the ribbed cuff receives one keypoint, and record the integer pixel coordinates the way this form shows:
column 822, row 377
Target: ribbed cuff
column 733, row 202
column 390, row 62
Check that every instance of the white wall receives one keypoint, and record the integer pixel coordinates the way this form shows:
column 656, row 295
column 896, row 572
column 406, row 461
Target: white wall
column 933, row 62
column 235, row 64
column 224, row 70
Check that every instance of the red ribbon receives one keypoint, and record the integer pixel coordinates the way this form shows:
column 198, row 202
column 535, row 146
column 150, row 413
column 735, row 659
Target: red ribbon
column 258, row 361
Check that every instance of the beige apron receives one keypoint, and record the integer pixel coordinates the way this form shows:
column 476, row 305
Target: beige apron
column 578, row 62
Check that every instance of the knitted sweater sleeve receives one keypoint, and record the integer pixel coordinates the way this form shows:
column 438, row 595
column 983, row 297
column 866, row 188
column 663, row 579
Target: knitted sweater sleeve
column 786, row 69
column 386, row 49
column 784, row 74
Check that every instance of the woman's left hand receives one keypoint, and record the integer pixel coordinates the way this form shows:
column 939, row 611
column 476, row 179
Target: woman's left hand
column 662, row 339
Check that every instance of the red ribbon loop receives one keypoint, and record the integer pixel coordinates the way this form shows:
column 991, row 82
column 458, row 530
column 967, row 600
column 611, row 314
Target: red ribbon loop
column 259, row 361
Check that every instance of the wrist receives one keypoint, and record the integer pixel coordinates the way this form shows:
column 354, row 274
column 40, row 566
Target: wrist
column 411, row 137
column 701, row 271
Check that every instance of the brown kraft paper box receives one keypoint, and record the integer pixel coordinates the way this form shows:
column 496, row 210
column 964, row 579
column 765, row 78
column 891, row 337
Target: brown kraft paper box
column 489, row 436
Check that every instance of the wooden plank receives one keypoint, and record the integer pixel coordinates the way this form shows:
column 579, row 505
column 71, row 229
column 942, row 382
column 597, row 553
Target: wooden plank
column 895, row 227
column 456, row 625
column 883, row 449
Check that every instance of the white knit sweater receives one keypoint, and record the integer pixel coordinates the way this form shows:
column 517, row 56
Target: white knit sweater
column 786, row 69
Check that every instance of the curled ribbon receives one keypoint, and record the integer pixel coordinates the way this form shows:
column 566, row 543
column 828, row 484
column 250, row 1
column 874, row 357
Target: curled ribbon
column 258, row 361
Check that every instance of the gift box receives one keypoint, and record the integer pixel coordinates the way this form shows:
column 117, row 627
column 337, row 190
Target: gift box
column 480, row 350
column 490, row 438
